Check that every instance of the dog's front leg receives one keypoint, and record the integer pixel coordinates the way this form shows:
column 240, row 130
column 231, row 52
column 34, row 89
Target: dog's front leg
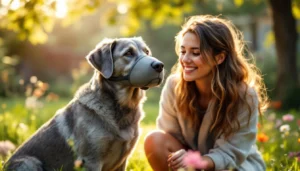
column 94, row 167
column 122, row 167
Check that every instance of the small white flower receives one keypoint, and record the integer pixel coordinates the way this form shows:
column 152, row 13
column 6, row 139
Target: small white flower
column 271, row 116
column 23, row 127
column 285, row 128
column 33, row 103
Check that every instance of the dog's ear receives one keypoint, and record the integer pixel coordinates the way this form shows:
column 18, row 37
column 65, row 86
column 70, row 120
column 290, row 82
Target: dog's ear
column 101, row 57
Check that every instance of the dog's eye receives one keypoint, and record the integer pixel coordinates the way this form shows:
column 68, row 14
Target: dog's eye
column 129, row 53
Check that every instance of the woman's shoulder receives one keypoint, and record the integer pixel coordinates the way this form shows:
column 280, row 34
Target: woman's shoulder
column 249, row 94
column 172, row 80
column 247, row 90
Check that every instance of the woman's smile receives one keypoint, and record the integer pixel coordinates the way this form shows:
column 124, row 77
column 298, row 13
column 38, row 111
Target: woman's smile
column 188, row 69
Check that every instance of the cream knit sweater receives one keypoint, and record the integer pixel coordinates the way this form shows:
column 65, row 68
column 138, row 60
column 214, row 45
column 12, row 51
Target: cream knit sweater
column 239, row 151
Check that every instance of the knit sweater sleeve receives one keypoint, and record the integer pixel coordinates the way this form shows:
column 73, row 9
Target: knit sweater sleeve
column 167, row 119
column 231, row 153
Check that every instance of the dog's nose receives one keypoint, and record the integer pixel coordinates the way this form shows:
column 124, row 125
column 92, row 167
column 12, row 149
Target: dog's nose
column 157, row 66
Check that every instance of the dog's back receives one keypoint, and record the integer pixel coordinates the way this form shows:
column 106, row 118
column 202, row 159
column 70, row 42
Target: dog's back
column 37, row 154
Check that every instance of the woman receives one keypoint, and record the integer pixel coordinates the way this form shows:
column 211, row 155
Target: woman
column 210, row 102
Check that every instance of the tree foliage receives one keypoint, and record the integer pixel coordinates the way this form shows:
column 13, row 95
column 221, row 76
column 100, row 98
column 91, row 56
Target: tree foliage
column 33, row 19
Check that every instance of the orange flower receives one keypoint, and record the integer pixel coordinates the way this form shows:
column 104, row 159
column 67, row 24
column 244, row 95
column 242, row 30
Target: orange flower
column 276, row 104
column 261, row 137
column 38, row 93
column 258, row 125
column 298, row 140
column 52, row 97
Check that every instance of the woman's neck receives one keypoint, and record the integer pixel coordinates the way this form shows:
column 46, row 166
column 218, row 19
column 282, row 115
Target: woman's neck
column 204, row 89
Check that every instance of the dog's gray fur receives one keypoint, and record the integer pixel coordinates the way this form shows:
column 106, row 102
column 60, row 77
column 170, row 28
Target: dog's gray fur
column 102, row 120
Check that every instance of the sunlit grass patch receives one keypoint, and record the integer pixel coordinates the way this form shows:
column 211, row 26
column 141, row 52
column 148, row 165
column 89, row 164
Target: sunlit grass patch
column 137, row 161
column 278, row 140
column 278, row 136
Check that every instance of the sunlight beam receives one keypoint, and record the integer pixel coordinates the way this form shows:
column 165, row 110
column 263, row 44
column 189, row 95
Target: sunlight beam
column 61, row 8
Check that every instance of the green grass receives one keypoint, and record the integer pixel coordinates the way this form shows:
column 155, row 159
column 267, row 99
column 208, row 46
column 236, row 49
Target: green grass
column 17, row 123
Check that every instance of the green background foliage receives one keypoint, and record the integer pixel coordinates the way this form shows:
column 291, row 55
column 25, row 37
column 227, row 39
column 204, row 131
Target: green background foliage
column 36, row 40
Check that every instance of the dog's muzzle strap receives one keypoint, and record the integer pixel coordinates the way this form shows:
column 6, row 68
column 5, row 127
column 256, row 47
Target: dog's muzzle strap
column 126, row 77
column 120, row 78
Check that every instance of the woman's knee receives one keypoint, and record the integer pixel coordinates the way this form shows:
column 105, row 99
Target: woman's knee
column 160, row 140
column 154, row 139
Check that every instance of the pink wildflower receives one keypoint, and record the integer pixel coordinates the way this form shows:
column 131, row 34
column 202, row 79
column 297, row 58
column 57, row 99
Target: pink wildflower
column 292, row 154
column 288, row 117
column 6, row 147
column 193, row 159
column 278, row 123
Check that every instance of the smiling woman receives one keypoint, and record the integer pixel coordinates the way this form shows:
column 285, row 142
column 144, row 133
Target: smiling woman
column 210, row 103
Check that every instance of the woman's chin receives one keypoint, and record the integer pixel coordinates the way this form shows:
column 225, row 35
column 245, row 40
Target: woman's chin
column 187, row 78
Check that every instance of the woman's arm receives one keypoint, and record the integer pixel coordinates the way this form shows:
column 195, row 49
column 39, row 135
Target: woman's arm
column 232, row 152
column 167, row 119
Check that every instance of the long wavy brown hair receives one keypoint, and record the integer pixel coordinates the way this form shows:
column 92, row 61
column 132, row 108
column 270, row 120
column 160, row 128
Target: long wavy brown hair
column 230, row 79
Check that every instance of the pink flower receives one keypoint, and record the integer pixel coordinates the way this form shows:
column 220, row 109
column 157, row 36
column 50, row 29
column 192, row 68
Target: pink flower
column 288, row 117
column 6, row 147
column 278, row 123
column 292, row 154
column 193, row 159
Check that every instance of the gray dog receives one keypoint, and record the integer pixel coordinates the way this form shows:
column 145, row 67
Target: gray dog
column 103, row 118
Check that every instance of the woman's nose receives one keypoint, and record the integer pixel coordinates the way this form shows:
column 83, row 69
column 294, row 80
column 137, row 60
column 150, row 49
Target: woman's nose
column 185, row 58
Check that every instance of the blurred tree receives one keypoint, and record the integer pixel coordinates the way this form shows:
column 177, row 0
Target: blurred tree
column 33, row 19
column 286, row 36
column 7, row 71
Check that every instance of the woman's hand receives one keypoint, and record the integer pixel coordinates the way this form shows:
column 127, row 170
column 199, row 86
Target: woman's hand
column 175, row 160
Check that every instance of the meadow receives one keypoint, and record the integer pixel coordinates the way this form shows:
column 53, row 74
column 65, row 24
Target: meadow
column 278, row 132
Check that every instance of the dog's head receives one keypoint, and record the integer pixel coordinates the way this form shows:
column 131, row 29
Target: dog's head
column 128, row 61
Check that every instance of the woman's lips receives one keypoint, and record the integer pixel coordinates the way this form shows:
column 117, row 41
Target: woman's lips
column 189, row 69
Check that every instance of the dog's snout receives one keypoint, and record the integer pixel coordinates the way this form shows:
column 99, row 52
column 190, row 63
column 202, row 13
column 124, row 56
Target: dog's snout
column 157, row 66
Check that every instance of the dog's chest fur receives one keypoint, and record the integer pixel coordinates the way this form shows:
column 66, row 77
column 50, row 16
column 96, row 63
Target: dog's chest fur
column 103, row 132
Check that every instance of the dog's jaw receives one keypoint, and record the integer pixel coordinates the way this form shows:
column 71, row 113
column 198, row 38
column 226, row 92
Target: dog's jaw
column 130, row 96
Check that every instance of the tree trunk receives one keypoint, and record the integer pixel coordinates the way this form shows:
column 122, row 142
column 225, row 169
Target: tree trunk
column 253, row 27
column 284, row 26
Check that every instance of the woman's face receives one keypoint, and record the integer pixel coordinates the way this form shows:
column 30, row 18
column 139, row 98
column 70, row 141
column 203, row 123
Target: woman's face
column 193, row 64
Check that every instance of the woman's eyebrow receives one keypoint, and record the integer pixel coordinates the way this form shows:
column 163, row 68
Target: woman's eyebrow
column 193, row 48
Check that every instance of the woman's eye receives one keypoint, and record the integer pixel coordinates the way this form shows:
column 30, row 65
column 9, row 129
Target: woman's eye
column 129, row 53
column 196, row 54
column 182, row 52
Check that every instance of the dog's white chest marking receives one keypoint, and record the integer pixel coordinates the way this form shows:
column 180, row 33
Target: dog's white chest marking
column 127, row 134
